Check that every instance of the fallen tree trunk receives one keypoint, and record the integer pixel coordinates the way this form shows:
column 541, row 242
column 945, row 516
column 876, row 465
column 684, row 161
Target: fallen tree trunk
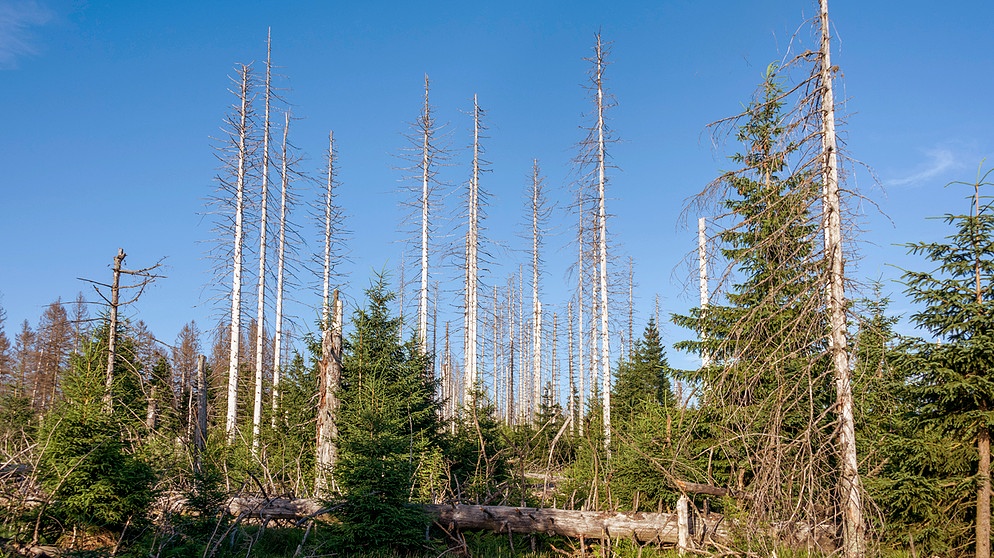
column 642, row 527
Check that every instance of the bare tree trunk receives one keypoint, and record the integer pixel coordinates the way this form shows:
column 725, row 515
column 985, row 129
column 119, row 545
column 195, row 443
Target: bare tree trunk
column 605, row 334
column 280, row 269
column 115, row 292
column 571, row 402
column 702, row 268
column 329, row 380
column 260, row 331
column 538, row 215
column 200, row 428
column 472, row 258
column 582, row 392
column 328, row 204
column 853, row 530
column 231, row 415
column 426, row 128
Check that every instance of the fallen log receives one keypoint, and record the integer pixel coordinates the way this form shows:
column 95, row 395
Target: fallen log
column 642, row 527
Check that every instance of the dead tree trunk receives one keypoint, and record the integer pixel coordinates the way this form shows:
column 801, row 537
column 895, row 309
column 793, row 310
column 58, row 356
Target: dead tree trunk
column 200, row 426
column 853, row 530
column 241, row 131
column 605, row 334
column 329, row 379
column 115, row 291
column 642, row 527
column 260, row 331
column 280, row 269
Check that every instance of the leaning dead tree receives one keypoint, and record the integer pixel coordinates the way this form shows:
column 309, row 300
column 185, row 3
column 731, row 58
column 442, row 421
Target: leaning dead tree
column 143, row 278
column 854, row 545
column 774, row 332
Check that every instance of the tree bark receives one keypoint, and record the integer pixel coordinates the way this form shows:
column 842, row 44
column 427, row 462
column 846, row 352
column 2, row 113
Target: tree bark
column 260, row 330
column 115, row 291
column 984, row 494
column 605, row 333
column 231, row 415
column 853, row 530
column 329, row 379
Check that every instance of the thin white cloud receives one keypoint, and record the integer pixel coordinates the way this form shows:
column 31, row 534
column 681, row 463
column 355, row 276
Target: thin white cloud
column 17, row 18
column 938, row 161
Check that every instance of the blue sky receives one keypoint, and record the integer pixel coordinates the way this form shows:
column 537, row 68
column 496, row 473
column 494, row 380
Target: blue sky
column 110, row 109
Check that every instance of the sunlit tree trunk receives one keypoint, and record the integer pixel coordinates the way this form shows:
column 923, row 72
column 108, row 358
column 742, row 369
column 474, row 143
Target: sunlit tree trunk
column 853, row 530
column 329, row 380
column 242, row 130
column 281, row 267
column 471, row 301
column 260, row 330
column 605, row 335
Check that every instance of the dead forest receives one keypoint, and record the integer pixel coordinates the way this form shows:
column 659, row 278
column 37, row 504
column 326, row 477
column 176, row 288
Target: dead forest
column 455, row 403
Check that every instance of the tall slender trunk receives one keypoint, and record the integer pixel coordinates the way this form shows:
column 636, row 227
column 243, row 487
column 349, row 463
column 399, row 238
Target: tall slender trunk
column 983, row 528
column 536, row 203
column 231, row 416
column 853, row 530
column 702, row 270
column 472, row 271
column 280, row 268
column 580, row 299
column 605, row 333
column 260, row 331
column 328, row 217
column 571, row 402
column 426, row 162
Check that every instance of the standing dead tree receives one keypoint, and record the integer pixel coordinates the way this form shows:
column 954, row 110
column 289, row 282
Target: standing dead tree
column 540, row 210
column 329, row 381
column 144, row 277
column 779, row 220
column 471, row 302
column 592, row 164
column 260, row 331
column 239, row 129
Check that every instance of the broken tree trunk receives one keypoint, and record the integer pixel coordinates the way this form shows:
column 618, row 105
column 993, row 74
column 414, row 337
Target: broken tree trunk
column 642, row 527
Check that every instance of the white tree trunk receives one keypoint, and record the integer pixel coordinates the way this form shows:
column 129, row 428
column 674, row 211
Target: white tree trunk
column 853, row 530
column 231, row 416
column 702, row 268
column 582, row 392
column 536, row 372
column 260, row 331
column 328, row 217
column 426, row 161
column 280, row 268
column 605, row 333
column 472, row 260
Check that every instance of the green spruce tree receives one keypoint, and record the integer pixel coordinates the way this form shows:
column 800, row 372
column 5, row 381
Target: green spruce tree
column 389, row 430
column 954, row 370
column 764, row 398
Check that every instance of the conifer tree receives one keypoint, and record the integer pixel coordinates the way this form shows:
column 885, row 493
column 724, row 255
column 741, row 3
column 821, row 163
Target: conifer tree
column 768, row 373
column 954, row 368
column 388, row 427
